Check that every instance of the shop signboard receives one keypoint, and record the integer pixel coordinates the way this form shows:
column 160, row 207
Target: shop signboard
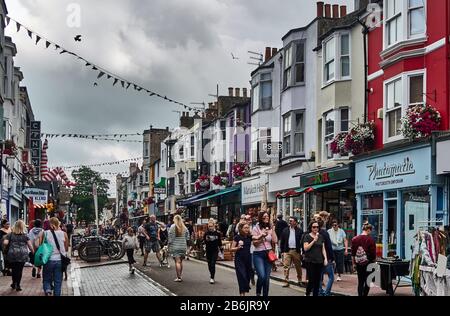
column 35, row 138
column 442, row 160
column 394, row 171
column 160, row 190
column 253, row 190
column 39, row 196
column 327, row 176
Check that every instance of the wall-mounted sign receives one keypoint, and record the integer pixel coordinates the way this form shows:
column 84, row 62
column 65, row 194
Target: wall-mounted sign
column 159, row 190
column 327, row 176
column 400, row 170
column 442, row 157
column 253, row 190
column 35, row 145
column 39, row 196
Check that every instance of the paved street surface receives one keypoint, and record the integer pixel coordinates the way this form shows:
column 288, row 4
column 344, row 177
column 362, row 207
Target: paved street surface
column 116, row 280
column 196, row 279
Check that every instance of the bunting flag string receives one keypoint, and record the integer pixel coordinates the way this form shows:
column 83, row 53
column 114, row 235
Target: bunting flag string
column 101, row 71
column 102, row 164
column 93, row 138
column 115, row 135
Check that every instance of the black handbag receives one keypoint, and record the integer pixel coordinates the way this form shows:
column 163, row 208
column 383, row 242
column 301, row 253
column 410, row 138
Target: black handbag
column 65, row 261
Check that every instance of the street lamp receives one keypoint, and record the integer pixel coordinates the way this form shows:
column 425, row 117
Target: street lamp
column 181, row 181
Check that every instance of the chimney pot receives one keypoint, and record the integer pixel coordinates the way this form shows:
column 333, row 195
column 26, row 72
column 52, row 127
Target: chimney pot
column 328, row 10
column 230, row 92
column 244, row 92
column 268, row 54
column 238, row 92
column 320, row 9
column 343, row 10
column 274, row 51
column 335, row 11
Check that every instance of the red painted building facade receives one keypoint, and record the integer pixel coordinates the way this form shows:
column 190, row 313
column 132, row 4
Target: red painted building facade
column 397, row 188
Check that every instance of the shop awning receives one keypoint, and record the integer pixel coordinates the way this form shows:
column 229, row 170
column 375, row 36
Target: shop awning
column 297, row 192
column 40, row 206
column 195, row 198
column 220, row 193
column 325, row 185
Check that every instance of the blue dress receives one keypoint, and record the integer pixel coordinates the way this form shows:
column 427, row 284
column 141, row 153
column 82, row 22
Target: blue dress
column 243, row 263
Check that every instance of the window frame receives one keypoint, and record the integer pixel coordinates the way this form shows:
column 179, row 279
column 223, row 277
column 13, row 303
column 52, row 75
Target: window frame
column 337, row 129
column 291, row 51
column 290, row 135
column 405, row 98
column 257, row 91
column 405, row 23
column 337, row 57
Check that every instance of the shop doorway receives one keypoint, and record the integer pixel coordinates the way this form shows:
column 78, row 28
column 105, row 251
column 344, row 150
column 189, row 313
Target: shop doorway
column 392, row 228
column 415, row 215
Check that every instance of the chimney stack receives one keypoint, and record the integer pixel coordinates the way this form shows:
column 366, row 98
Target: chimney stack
column 320, row 9
column 268, row 54
column 230, row 92
column 274, row 51
column 335, row 11
column 328, row 10
column 244, row 92
column 343, row 10
column 237, row 92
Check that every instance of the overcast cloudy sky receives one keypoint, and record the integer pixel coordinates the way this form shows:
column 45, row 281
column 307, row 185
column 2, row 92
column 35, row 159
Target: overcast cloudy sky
column 178, row 48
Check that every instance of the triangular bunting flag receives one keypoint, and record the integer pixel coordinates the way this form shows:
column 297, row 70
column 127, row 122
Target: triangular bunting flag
column 123, row 84
column 152, row 94
column 62, row 52
column 47, row 44
column 88, row 64
column 108, row 76
column 37, row 39
column 101, row 74
column 57, row 47
column 129, row 84
column 30, row 34
column 8, row 19
column 115, row 81
column 94, row 68
column 18, row 26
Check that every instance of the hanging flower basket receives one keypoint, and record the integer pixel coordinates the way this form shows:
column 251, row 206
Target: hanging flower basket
column 420, row 121
column 241, row 170
column 131, row 203
column 337, row 146
column 202, row 183
column 221, row 179
column 360, row 138
column 10, row 148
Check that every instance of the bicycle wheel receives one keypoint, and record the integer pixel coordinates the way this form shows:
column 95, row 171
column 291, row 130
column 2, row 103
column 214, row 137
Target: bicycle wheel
column 115, row 251
column 82, row 252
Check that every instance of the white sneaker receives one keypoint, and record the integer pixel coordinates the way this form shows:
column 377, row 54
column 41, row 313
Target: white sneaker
column 177, row 280
column 211, row 281
column 338, row 279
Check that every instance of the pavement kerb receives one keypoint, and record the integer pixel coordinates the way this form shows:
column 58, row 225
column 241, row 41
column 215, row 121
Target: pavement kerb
column 275, row 278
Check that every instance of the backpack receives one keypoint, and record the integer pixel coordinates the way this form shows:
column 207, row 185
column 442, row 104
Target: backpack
column 17, row 249
column 361, row 256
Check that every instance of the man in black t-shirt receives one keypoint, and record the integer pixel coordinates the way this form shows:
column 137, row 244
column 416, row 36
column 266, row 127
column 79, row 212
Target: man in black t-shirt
column 151, row 232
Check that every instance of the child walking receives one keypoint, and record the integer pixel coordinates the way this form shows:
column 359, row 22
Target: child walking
column 130, row 243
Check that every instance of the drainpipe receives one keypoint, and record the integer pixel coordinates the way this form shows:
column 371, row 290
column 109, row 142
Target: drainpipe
column 365, row 31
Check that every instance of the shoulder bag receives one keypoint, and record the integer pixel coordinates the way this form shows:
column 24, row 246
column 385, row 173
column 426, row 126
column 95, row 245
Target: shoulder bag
column 271, row 256
column 65, row 261
column 43, row 253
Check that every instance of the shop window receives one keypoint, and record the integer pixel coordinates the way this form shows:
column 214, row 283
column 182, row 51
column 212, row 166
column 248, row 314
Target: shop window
column 372, row 213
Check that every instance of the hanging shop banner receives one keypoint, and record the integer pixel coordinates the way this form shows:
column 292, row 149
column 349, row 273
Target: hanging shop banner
column 35, row 138
column 399, row 170
column 39, row 196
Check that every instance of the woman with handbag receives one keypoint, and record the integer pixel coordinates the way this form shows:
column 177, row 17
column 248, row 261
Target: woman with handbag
column 19, row 246
column 263, row 255
column 53, row 269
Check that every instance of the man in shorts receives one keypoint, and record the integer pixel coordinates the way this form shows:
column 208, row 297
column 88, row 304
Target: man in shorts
column 152, row 239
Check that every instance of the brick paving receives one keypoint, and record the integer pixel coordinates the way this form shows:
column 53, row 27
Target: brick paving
column 116, row 280
column 30, row 286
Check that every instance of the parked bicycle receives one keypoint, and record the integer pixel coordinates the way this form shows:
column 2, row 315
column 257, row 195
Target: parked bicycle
column 109, row 247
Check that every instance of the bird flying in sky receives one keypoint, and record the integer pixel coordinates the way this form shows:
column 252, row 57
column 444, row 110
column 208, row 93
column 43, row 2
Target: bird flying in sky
column 77, row 38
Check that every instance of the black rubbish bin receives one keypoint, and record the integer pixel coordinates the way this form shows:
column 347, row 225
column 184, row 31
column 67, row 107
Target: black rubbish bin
column 93, row 251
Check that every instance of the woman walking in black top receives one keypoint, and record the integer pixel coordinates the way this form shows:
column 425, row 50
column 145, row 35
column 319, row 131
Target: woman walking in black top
column 213, row 242
column 315, row 257
column 243, row 259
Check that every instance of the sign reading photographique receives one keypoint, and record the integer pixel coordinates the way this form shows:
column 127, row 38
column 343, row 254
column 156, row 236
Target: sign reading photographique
column 400, row 170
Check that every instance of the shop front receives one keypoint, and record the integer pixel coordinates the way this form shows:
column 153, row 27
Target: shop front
column 255, row 193
column 398, row 193
column 443, row 169
column 331, row 190
column 284, row 184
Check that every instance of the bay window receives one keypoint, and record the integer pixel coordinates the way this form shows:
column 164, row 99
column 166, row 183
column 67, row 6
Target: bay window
column 294, row 64
column 336, row 57
column 401, row 93
column 294, row 134
column 262, row 92
column 404, row 20
column 334, row 123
